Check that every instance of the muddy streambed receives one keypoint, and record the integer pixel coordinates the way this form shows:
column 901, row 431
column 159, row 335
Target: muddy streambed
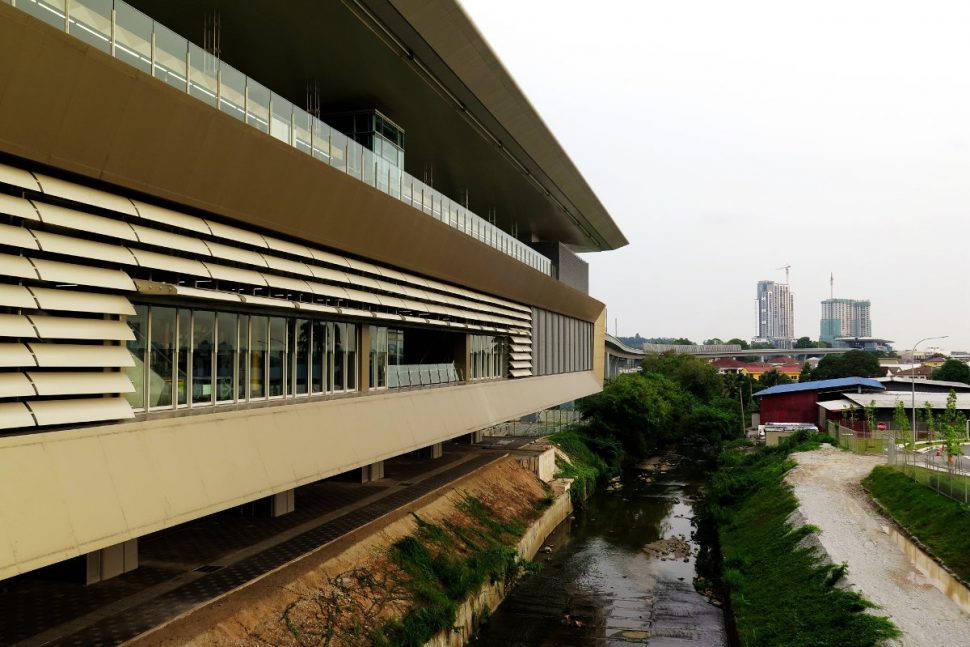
column 620, row 573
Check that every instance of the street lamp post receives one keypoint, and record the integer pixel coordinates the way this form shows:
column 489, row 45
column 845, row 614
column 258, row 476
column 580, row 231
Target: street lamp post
column 912, row 380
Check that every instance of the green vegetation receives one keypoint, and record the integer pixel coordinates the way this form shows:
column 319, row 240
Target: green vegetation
column 952, row 370
column 942, row 524
column 443, row 565
column 780, row 594
column 853, row 363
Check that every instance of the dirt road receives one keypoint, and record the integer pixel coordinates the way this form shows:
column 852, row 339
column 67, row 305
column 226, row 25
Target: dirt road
column 826, row 483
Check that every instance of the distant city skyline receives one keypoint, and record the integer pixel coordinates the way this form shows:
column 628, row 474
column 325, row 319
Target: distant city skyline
column 829, row 136
column 844, row 318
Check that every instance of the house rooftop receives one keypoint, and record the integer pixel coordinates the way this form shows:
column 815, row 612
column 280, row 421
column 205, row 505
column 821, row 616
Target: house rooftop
column 824, row 385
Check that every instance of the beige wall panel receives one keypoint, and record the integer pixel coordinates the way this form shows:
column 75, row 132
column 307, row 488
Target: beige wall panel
column 87, row 490
column 34, row 512
column 208, row 160
column 159, row 473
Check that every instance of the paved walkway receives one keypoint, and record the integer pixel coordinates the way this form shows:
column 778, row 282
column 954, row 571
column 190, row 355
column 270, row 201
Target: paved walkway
column 185, row 567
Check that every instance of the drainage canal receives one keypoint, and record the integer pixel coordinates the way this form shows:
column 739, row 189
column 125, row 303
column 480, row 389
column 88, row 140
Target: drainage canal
column 620, row 573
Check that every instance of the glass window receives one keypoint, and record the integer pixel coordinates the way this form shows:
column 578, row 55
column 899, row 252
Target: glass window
column 133, row 37
column 203, row 328
column 328, row 362
column 350, row 341
column 232, row 91
column 203, row 67
column 354, row 158
column 226, row 356
column 338, row 356
column 161, row 357
column 50, row 11
column 242, row 382
column 301, row 130
column 258, row 347
column 91, row 22
column 318, row 357
column 282, row 115
column 183, row 356
column 277, row 356
column 301, row 345
column 321, row 143
column 138, row 323
column 257, row 105
column 170, row 55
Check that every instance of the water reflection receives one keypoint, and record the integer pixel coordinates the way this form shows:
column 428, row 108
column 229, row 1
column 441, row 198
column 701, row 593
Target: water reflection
column 599, row 586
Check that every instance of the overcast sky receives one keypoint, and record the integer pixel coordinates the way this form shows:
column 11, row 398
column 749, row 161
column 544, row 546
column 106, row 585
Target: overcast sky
column 728, row 139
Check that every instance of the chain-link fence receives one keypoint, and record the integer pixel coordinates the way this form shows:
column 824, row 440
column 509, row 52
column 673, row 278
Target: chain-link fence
column 861, row 442
column 950, row 476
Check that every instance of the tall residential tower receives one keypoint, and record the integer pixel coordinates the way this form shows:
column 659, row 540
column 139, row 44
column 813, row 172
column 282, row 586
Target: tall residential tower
column 775, row 314
column 844, row 318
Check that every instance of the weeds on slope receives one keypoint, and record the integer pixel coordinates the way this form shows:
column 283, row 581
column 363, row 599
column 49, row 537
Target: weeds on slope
column 779, row 593
column 942, row 524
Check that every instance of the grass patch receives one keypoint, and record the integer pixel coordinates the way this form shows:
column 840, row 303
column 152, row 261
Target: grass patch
column 592, row 460
column 780, row 593
column 444, row 564
column 942, row 524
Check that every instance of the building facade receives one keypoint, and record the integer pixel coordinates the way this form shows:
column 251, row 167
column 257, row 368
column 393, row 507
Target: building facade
column 845, row 318
column 226, row 273
column 776, row 319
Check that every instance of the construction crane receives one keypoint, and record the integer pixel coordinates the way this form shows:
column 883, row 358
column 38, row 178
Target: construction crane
column 786, row 268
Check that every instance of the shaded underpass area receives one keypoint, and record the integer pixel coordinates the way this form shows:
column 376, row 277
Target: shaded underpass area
column 187, row 565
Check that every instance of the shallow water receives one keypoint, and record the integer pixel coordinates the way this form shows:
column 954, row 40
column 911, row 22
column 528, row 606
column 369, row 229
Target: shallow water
column 600, row 587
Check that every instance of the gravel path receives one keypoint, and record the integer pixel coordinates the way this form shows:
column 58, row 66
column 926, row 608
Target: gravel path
column 826, row 483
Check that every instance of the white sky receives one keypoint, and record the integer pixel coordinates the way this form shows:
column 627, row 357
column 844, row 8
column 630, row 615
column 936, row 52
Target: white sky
column 728, row 139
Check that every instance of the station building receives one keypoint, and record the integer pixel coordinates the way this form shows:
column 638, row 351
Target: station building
column 247, row 246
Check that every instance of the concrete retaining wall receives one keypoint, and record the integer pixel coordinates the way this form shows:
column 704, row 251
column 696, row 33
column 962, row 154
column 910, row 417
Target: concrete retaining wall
column 491, row 595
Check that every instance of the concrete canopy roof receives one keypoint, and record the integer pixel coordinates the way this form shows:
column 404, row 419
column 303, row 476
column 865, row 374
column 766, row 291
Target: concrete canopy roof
column 469, row 128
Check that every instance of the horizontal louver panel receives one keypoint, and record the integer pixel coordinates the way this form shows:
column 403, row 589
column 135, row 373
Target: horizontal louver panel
column 73, row 274
column 49, row 327
column 64, row 412
column 15, row 415
column 79, row 383
column 16, row 326
column 79, row 356
column 15, row 385
column 15, row 355
column 16, row 296
column 76, row 301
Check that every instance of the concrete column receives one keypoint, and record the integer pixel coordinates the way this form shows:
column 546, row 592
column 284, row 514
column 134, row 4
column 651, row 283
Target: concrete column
column 282, row 503
column 471, row 438
column 111, row 561
column 431, row 451
column 372, row 472
column 363, row 359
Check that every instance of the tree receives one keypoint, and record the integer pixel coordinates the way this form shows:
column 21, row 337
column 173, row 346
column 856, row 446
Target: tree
column 806, row 374
column 952, row 370
column 804, row 342
column 713, row 341
column 901, row 422
column 683, row 341
column 870, row 413
column 772, row 378
column 928, row 420
column 740, row 342
column 853, row 363
column 953, row 425
column 694, row 375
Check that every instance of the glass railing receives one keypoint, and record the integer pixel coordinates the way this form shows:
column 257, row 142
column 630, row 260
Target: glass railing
column 129, row 35
column 410, row 375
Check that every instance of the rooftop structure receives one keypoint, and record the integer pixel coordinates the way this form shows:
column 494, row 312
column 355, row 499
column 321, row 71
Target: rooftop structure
column 246, row 247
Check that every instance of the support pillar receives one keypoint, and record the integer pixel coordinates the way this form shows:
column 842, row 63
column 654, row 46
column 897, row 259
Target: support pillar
column 110, row 562
column 363, row 360
column 372, row 472
column 471, row 438
column 282, row 503
column 431, row 451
